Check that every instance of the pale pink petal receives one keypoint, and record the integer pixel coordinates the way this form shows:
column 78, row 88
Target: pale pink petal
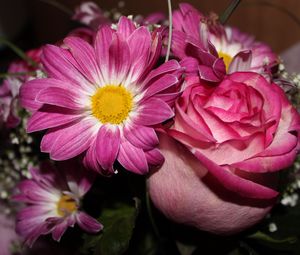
column 241, row 62
column 235, row 183
column 132, row 158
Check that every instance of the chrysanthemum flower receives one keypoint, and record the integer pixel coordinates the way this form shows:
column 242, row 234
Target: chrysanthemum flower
column 207, row 47
column 104, row 100
column 53, row 202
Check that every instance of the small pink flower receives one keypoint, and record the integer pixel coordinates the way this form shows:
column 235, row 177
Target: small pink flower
column 104, row 100
column 212, row 50
column 90, row 14
column 238, row 133
column 9, row 90
column 53, row 202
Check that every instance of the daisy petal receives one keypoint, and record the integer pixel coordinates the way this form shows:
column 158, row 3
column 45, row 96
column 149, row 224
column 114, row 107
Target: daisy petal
column 132, row 158
column 154, row 111
column 88, row 223
column 107, row 146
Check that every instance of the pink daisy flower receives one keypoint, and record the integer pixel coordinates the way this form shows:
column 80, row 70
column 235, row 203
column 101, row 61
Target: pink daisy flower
column 53, row 202
column 212, row 50
column 104, row 100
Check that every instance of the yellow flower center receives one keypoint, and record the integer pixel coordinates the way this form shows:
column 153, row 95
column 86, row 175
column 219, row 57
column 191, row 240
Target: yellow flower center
column 226, row 58
column 66, row 206
column 112, row 104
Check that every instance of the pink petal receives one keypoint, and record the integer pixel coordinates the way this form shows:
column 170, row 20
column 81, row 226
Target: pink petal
column 73, row 140
column 139, row 44
column 141, row 137
column 88, row 223
column 102, row 43
column 59, row 64
column 85, row 57
column 60, row 97
column 51, row 116
column 167, row 67
column 125, row 27
column 107, row 146
column 161, row 84
column 153, row 111
column 235, row 183
column 59, row 230
column 90, row 158
column 119, row 59
column 132, row 158
column 154, row 157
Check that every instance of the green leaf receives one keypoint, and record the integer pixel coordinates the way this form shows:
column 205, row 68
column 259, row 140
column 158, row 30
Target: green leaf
column 266, row 238
column 118, row 222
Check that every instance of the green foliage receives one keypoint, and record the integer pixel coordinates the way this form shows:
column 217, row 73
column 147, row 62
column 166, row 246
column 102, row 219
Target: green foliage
column 119, row 222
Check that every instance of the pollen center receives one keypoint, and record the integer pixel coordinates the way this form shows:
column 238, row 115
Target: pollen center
column 66, row 206
column 111, row 104
column 226, row 58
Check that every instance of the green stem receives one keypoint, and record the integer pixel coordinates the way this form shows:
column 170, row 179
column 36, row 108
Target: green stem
column 150, row 214
column 229, row 10
column 170, row 30
column 6, row 75
column 18, row 51
column 59, row 6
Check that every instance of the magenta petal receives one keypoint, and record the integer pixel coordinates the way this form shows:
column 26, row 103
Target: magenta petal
column 51, row 116
column 90, row 158
column 85, row 56
column 161, row 84
column 235, row 183
column 153, row 111
column 31, row 89
column 59, row 230
column 132, row 158
column 154, row 157
column 59, row 97
column 167, row 67
column 73, row 140
column 107, row 146
column 141, row 137
column 61, row 65
column 125, row 27
column 139, row 43
column 119, row 59
column 102, row 43
column 88, row 223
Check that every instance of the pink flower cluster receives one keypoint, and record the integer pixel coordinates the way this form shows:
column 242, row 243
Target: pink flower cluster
column 210, row 121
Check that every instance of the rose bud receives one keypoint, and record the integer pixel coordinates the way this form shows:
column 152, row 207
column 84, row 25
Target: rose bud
column 232, row 139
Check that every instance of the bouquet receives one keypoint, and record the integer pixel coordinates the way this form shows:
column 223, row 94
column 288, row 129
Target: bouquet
column 149, row 135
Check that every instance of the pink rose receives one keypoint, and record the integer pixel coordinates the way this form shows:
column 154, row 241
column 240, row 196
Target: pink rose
column 236, row 135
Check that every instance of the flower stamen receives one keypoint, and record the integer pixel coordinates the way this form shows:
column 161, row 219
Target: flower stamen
column 111, row 104
column 66, row 205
